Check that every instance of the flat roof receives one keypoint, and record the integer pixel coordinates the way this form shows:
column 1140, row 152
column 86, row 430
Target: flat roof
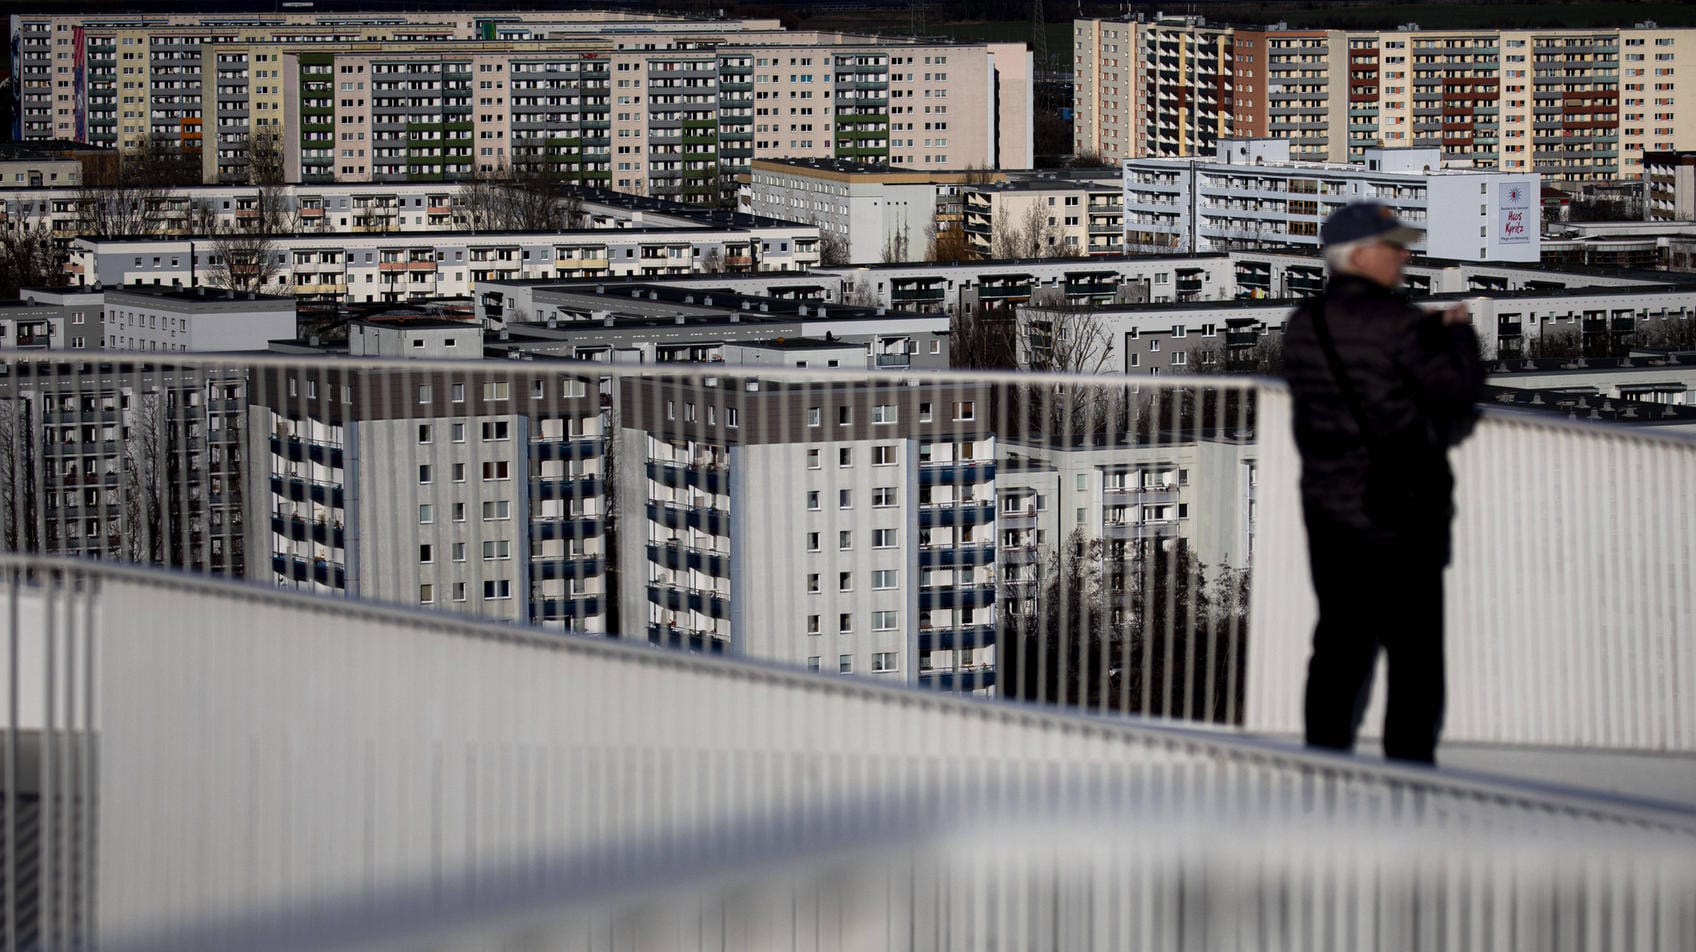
column 201, row 294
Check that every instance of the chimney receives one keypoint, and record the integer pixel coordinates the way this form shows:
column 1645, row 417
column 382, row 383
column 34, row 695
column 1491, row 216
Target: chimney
column 653, row 295
column 708, row 300
column 803, row 312
column 677, row 319
column 600, row 289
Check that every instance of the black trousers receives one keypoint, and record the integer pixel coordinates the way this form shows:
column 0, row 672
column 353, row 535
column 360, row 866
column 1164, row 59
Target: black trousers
column 1376, row 594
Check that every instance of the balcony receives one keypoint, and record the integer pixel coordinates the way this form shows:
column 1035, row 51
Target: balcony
column 685, row 599
column 565, row 527
column 317, row 570
column 301, row 530
column 704, row 518
column 956, row 474
column 710, row 477
column 965, row 596
column 301, row 490
column 571, row 487
column 942, row 515
column 678, row 557
column 297, row 450
column 951, row 639
column 948, row 557
column 572, row 567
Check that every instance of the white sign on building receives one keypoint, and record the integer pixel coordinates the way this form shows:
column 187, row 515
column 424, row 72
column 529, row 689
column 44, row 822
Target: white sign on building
column 1515, row 205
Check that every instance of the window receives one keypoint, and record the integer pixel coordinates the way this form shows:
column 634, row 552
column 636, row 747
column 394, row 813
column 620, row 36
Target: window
column 812, row 583
column 845, row 664
column 426, row 514
column 813, row 663
column 845, row 499
column 814, row 626
column 812, row 500
column 884, row 413
column 426, row 553
column 845, row 539
column 423, row 432
column 883, row 621
column 845, row 456
column 497, row 588
column 813, row 459
column 844, row 623
column 495, row 390
column 883, row 579
column 457, row 391
column 496, row 469
column 459, row 591
column 495, row 430
column 459, row 552
column 883, row 455
column 424, row 393
column 845, row 581
column 883, row 497
column 423, row 473
column 496, row 509
column 813, row 543
column 925, row 414
column 459, row 433
column 844, row 416
column 426, row 594
column 883, row 538
column 965, row 410
column 459, row 512
column 497, row 549
column 459, row 472
column 884, row 661
column 813, row 416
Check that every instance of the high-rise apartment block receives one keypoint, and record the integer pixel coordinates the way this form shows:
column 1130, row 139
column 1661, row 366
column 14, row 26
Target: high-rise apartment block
column 653, row 106
column 1574, row 105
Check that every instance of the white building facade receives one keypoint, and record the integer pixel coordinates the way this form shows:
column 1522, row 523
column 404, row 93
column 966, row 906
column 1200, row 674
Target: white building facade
column 1252, row 195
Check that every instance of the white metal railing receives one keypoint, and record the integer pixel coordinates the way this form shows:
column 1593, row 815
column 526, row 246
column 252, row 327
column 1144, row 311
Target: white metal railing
column 216, row 764
column 854, row 522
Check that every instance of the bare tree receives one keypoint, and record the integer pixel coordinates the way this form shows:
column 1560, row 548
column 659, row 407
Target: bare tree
column 246, row 251
column 949, row 246
column 122, row 209
column 264, row 157
column 161, row 161
column 1033, row 236
column 1063, row 339
column 20, row 502
column 713, row 261
column 30, row 257
column 896, row 247
column 531, row 196
column 983, row 338
column 857, row 293
column 833, row 248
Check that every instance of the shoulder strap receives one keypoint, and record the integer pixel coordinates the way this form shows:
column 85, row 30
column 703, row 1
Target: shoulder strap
column 1322, row 328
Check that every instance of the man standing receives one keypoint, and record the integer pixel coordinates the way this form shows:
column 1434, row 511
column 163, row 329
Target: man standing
column 1382, row 389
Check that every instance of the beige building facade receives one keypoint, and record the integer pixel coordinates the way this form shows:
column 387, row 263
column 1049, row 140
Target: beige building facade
column 1573, row 105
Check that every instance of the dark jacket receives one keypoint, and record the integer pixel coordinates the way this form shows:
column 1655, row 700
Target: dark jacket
column 1417, row 381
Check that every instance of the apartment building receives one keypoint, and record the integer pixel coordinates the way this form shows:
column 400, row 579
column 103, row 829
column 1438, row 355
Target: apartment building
column 1669, row 186
column 632, row 322
column 99, row 465
column 885, row 563
column 1514, row 314
column 675, row 114
column 409, row 267
column 498, row 510
column 1253, row 194
column 1045, row 216
column 1150, row 87
column 157, row 318
column 71, row 83
column 866, row 211
column 1572, row 105
column 1079, row 282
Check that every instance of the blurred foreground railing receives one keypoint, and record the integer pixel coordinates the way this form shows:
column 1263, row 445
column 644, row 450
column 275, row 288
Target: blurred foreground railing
column 217, row 765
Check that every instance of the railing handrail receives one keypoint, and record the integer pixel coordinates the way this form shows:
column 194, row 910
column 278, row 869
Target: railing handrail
column 1148, row 730
column 823, row 376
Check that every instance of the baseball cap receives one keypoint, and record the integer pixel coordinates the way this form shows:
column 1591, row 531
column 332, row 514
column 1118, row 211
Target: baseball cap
column 1363, row 220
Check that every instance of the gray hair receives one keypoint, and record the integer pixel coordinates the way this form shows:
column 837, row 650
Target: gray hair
column 1340, row 257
